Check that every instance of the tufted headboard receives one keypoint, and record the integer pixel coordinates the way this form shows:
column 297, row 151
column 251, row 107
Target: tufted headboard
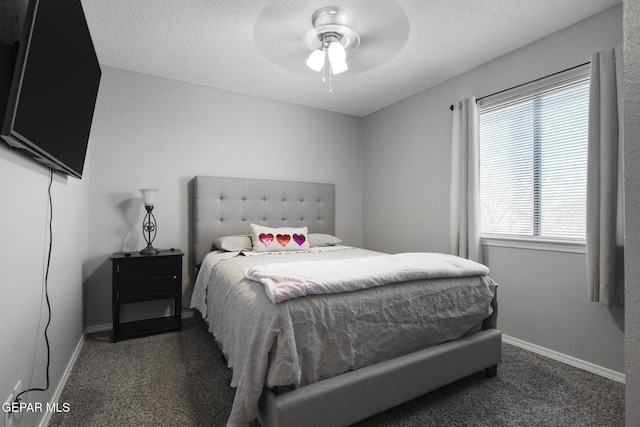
column 227, row 206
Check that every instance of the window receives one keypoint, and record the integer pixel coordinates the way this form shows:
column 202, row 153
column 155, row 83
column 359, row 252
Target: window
column 533, row 160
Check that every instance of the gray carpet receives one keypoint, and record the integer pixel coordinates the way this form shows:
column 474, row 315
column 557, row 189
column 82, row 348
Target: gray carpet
column 178, row 379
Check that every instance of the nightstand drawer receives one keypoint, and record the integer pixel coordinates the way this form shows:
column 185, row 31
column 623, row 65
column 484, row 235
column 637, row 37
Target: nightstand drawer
column 150, row 268
column 148, row 287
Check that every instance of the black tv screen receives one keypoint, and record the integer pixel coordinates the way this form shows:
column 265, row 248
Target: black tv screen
column 54, row 86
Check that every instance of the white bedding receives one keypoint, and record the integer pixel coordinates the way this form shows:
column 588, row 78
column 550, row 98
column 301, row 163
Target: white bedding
column 284, row 281
column 304, row 340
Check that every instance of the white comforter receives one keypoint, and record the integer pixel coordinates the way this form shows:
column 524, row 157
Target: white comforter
column 304, row 340
column 284, row 281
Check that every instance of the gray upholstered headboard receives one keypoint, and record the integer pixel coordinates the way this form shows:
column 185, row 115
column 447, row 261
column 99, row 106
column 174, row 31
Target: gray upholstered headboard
column 227, row 206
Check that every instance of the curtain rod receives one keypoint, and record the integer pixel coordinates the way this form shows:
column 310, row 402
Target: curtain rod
column 532, row 81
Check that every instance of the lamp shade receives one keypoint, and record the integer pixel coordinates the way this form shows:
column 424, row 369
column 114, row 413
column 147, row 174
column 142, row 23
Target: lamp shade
column 148, row 196
column 336, row 51
column 316, row 60
column 337, row 57
column 339, row 66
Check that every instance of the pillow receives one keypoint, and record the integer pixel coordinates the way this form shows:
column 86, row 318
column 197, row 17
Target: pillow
column 233, row 243
column 267, row 239
column 318, row 239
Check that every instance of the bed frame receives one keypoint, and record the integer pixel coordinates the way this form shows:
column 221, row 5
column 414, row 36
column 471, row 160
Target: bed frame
column 227, row 206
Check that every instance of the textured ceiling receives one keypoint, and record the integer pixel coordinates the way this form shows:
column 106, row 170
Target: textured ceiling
column 256, row 46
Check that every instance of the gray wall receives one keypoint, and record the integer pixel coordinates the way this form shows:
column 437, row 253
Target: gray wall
column 543, row 297
column 159, row 133
column 632, row 207
column 24, row 245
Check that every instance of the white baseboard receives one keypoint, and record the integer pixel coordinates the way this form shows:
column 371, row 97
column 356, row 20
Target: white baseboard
column 108, row 326
column 63, row 381
column 569, row 360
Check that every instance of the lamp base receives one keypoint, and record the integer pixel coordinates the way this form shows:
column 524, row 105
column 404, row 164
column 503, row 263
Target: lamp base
column 149, row 250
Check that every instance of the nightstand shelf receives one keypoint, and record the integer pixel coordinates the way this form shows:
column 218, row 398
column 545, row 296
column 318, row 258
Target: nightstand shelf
column 139, row 278
column 141, row 328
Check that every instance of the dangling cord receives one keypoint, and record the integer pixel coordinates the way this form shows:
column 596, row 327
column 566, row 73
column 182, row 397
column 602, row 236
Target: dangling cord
column 330, row 79
column 46, row 294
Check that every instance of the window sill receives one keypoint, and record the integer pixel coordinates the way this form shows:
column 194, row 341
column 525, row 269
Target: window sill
column 535, row 244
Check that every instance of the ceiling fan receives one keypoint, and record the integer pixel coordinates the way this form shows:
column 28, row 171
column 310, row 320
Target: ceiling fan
column 331, row 39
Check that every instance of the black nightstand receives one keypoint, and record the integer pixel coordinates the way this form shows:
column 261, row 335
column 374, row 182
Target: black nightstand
column 138, row 278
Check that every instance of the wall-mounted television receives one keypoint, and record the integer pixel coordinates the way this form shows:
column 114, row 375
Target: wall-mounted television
column 53, row 87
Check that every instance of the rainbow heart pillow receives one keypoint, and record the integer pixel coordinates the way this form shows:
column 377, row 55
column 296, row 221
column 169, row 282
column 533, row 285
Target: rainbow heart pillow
column 268, row 239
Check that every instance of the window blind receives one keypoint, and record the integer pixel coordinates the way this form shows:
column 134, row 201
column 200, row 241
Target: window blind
column 533, row 161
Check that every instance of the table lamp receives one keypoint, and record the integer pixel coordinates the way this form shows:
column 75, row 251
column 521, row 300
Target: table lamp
column 149, row 227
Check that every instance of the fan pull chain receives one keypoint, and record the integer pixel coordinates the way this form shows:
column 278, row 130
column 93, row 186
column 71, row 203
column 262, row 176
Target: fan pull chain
column 330, row 79
column 324, row 74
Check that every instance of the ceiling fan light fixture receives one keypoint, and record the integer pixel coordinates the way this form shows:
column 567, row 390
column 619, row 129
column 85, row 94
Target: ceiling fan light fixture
column 338, row 67
column 336, row 51
column 316, row 60
column 337, row 39
column 338, row 58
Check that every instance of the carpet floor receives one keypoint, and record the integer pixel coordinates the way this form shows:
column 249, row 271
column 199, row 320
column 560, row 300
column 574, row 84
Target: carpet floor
column 179, row 379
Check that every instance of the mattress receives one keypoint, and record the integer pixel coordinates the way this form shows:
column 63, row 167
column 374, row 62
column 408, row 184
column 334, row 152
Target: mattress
column 304, row 340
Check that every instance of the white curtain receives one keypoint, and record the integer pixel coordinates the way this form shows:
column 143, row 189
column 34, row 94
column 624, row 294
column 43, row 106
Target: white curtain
column 464, row 225
column 604, row 179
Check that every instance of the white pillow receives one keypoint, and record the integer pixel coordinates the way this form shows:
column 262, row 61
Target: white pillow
column 318, row 239
column 268, row 239
column 234, row 243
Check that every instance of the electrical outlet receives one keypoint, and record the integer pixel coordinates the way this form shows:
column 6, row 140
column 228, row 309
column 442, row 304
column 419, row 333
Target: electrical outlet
column 8, row 415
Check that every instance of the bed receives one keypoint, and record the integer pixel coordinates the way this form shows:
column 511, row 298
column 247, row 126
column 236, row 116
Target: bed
column 320, row 359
